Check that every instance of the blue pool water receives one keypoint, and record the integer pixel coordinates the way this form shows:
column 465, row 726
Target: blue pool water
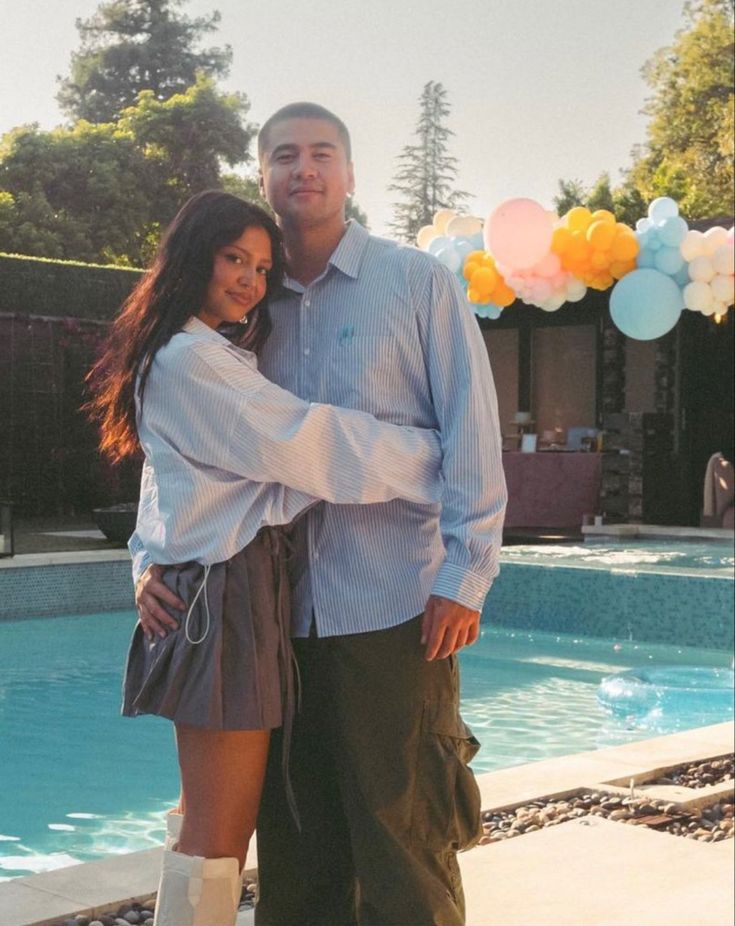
column 77, row 781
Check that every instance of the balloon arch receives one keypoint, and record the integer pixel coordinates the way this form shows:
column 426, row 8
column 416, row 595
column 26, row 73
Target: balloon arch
column 525, row 252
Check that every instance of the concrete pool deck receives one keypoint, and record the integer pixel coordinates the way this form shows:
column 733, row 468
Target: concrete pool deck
column 587, row 872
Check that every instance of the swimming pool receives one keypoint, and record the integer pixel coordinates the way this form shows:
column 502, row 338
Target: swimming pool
column 77, row 781
column 675, row 592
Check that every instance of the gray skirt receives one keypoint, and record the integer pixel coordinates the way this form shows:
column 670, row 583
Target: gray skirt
column 229, row 664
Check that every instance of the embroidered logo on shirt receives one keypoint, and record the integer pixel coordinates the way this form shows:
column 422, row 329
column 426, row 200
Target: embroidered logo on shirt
column 346, row 335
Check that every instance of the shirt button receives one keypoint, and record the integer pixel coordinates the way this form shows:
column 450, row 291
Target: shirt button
column 307, row 351
column 307, row 303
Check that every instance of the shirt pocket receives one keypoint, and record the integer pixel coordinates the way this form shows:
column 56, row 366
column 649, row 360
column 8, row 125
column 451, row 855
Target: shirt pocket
column 357, row 372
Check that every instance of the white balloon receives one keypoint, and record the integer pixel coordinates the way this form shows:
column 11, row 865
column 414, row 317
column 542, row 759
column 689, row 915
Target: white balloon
column 425, row 236
column 723, row 288
column 714, row 238
column 441, row 219
column 711, row 309
column 698, row 296
column 723, row 259
column 693, row 245
column 463, row 225
column 701, row 269
column 576, row 290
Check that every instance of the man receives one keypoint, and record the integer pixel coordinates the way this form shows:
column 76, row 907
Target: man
column 385, row 595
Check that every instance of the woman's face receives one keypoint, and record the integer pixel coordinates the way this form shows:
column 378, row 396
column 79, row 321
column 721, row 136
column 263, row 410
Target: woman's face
column 238, row 280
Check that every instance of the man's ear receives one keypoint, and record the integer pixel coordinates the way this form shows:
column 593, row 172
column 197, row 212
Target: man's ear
column 261, row 184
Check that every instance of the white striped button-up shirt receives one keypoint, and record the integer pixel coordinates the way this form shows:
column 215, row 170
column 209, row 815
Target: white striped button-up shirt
column 388, row 330
column 227, row 452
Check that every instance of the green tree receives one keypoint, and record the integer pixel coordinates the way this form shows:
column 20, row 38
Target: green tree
column 102, row 193
column 426, row 172
column 134, row 45
column 688, row 152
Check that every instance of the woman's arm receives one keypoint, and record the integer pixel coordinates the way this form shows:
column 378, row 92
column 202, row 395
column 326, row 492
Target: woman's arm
column 210, row 406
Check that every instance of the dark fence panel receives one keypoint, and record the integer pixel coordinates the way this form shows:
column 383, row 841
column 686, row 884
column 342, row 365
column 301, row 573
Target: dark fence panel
column 53, row 317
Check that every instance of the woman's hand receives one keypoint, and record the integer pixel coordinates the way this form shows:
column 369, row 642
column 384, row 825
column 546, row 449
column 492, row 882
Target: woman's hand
column 150, row 595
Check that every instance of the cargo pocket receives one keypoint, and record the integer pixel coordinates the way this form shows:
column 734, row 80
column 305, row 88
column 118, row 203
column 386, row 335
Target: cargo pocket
column 446, row 812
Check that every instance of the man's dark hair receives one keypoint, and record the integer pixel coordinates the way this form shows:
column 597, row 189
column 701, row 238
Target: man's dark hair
column 303, row 111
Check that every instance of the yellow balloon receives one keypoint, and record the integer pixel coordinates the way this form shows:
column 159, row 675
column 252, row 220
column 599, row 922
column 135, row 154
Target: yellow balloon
column 578, row 219
column 425, row 236
column 442, row 218
column 603, row 215
column 601, row 235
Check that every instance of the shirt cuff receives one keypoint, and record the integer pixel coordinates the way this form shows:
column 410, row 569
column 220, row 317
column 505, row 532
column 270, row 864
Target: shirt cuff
column 141, row 561
column 461, row 585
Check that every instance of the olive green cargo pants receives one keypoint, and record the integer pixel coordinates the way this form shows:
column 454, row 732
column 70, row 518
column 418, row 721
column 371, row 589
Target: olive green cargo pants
column 379, row 766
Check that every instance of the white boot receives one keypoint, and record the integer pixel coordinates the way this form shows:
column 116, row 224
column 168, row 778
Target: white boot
column 197, row 891
column 174, row 821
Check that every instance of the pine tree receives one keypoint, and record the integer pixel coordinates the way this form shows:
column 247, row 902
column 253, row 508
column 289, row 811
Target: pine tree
column 426, row 172
column 134, row 45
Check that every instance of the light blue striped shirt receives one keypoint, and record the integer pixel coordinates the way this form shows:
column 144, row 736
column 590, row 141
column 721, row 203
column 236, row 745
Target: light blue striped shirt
column 227, row 451
column 388, row 330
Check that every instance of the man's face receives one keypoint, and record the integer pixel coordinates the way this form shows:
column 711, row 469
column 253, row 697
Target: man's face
column 305, row 174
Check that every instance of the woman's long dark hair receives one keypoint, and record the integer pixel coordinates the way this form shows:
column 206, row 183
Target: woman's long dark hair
column 171, row 291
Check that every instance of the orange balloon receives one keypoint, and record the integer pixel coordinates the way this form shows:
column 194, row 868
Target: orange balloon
column 484, row 280
column 503, row 295
column 476, row 256
column 625, row 246
column 470, row 266
column 474, row 296
column 578, row 246
column 600, row 260
column 601, row 235
column 578, row 219
column 560, row 240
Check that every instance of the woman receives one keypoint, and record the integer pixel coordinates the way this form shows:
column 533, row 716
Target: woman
column 227, row 453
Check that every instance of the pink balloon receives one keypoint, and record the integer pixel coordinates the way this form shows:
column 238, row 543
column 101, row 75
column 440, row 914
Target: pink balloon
column 548, row 266
column 518, row 233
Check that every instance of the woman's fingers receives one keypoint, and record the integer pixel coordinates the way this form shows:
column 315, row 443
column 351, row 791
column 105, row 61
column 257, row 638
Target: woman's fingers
column 150, row 595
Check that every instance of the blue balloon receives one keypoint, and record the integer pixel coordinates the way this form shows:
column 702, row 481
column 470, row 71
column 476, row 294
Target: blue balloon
column 449, row 257
column 646, row 304
column 672, row 231
column 642, row 225
column 653, row 242
column 490, row 311
column 478, row 241
column 669, row 260
column 643, row 237
column 438, row 244
column 646, row 258
column 682, row 276
column 662, row 208
column 463, row 246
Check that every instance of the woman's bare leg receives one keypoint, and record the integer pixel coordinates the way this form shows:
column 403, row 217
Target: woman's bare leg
column 221, row 782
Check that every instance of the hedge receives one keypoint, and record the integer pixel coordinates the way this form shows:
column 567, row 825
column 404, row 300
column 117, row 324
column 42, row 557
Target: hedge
column 39, row 286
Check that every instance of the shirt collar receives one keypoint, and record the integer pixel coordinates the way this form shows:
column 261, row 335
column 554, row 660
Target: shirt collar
column 194, row 325
column 346, row 257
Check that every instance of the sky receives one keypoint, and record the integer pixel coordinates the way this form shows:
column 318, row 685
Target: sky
column 539, row 90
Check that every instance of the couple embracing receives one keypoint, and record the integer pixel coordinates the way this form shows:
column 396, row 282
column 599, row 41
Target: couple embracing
column 310, row 670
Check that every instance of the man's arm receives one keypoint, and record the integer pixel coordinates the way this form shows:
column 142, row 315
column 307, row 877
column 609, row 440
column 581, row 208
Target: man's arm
column 474, row 498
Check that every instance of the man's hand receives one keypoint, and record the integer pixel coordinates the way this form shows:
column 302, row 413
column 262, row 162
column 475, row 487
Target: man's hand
column 447, row 627
column 150, row 592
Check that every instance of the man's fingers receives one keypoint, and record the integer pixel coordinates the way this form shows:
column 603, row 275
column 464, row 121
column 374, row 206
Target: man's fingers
column 473, row 633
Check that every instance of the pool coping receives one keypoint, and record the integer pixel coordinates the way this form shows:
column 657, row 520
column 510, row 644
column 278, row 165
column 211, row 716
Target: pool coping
column 657, row 532
column 100, row 886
